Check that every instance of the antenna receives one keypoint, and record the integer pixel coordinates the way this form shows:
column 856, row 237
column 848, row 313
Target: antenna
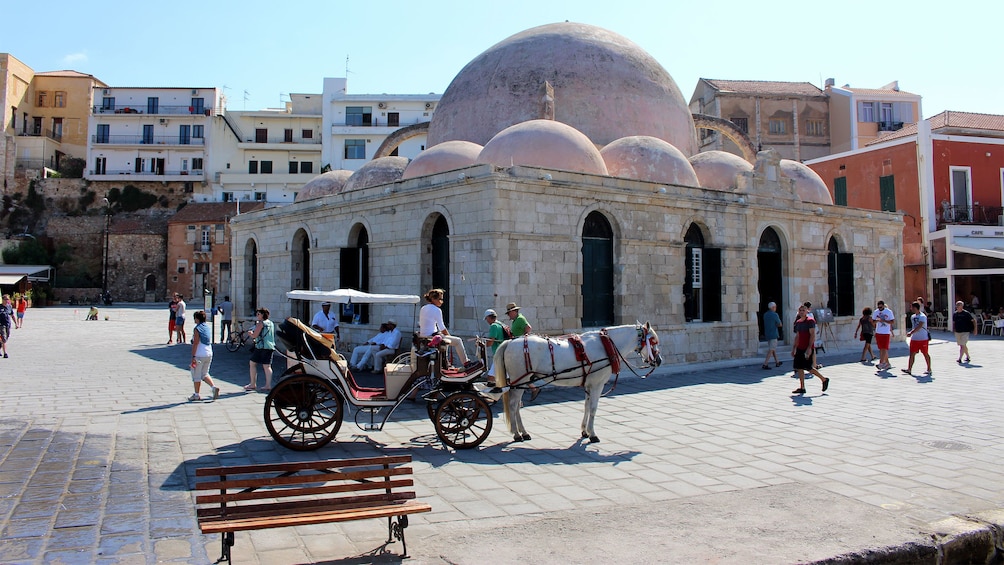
column 281, row 94
column 346, row 66
column 247, row 96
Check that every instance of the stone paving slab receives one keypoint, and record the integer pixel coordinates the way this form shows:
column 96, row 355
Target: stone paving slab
column 702, row 463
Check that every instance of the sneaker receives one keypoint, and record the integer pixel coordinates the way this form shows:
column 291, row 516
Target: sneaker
column 194, row 398
column 216, row 392
column 4, row 355
column 907, row 371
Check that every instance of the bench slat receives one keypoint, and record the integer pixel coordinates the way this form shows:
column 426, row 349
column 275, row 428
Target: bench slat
column 299, row 465
column 303, row 519
column 304, row 491
column 234, row 481
column 286, row 506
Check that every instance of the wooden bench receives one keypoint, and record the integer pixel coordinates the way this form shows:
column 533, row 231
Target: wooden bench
column 274, row 495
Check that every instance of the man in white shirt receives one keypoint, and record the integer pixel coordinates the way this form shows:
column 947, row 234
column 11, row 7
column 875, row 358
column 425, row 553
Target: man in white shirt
column 362, row 355
column 326, row 322
column 884, row 321
column 387, row 347
column 227, row 310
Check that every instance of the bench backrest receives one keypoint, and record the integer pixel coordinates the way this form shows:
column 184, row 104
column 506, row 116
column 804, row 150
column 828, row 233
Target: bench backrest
column 303, row 484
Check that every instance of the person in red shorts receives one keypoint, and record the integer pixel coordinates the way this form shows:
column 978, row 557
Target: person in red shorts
column 884, row 321
column 919, row 336
column 805, row 339
column 172, row 306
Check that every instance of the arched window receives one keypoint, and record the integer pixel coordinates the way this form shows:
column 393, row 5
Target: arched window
column 597, row 271
column 702, row 282
column 151, row 283
column 251, row 275
column 840, row 280
column 769, row 255
column 355, row 274
column 299, row 273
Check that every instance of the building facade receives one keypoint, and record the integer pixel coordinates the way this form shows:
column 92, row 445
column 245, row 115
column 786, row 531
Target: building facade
column 859, row 116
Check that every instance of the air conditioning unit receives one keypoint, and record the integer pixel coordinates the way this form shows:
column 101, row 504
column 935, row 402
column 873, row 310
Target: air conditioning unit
column 195, row 92
column 382, row 105
column 163, row 121
column 428, row 105
column 106, row 92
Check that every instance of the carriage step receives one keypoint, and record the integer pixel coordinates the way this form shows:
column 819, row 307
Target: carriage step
column 370, row 427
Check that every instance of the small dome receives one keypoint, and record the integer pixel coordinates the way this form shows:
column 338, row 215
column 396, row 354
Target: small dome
column 809, row 186
column 324, row 184
column 646, row 158
column 447, row 156
column 383, row 170
column 718, row 170
column 543, row 143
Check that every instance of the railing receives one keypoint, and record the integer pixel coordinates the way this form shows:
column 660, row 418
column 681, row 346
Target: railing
column 299, row 141
column 196, row 173
column 159, row 111
column 147, row 140
column 53, row 135
column 964, row 214
column 36, row 164
column 200, row 247
column 890, row 126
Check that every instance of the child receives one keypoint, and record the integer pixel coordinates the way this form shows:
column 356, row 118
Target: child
column 867, row 329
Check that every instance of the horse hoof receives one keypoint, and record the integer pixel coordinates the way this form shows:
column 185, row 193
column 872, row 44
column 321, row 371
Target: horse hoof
column 594, row 439
column 584, row 434
column 526, row 437
column 517, row 437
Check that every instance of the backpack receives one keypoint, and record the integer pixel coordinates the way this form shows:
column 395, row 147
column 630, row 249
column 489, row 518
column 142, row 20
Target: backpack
column 506, row 332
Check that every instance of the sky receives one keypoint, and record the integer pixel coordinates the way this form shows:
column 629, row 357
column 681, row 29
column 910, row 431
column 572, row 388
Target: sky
column 260, row 52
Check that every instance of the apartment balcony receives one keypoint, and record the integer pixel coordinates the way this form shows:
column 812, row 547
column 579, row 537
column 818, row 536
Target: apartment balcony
column 890, row 126
column 53, row 135
column 971, row 215
column 146, row 140
column 375, row 128
column 165, row 176
column 280, row 142
column 158, row 111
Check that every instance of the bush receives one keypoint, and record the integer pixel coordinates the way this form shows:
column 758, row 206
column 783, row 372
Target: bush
column 72, row 167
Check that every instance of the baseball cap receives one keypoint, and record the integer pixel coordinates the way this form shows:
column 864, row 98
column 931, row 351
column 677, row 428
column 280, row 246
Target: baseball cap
column 490, row 312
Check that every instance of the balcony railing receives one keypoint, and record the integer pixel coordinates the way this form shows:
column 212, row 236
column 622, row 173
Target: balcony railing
column 158, row 111
column 169, row 173
column 200, row 247
column 53, row 135
column 964, row 214
column 146, row 140
column 277, row 139
column 890, row 126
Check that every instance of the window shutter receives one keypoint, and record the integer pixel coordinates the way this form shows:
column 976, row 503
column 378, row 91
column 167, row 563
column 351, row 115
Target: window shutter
column 696, row 267
column 712, row 295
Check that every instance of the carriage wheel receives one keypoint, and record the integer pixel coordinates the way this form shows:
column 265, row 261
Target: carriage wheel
column 463, row 420
column 303, row 412
column 234, row 342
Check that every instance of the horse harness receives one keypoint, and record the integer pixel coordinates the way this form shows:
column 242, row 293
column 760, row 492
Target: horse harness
column 586, row 365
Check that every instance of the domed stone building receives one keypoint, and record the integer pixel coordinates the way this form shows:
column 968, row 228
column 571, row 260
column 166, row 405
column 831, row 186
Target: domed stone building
column 561, row 175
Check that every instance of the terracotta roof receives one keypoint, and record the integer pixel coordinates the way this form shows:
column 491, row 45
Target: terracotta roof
column 216, row 212
column 765, row 87
column 64, row 73
column 948, row 120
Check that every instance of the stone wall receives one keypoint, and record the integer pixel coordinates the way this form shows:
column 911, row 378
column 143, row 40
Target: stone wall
column 515, row 236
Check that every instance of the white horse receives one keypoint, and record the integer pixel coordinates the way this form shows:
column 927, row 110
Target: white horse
column 535, row 361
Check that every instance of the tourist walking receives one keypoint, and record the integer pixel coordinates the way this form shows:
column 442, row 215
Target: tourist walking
column 6, row 321
column 964, row 325
column 884, row 321
column 202, row 357
column 805, row 338
column 866, row 329
column 519, row 326
column 179, row 320
column 22, row 305
column 263, row 335
column 226, row 309
column 771, row 325
column 919, row 336
column 172, row 308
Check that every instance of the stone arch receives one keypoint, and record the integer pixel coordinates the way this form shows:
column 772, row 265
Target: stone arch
column 771, row 252
column 700, row 222
column 436, row 256
column 250, row 274
column 354, row 269
column 729, row 130
column 597, row 250
column 299, row 272
column 395, row 139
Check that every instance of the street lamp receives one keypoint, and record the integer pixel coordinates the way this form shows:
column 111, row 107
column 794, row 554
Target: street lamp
column 104, row 278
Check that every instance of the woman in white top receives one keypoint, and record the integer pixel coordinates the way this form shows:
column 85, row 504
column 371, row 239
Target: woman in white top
column 430, row 322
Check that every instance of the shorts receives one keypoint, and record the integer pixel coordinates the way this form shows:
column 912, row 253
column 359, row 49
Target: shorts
column 201, row 368
column 771, row 344
column 803, row 360
column 20, row 315
column 962, row 338
column 262, row 356
column 917, row 345
column 170, row 325
column 867, row 338
column 882, row 340
column 179, row 323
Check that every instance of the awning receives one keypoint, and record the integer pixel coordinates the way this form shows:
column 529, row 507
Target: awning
column 11, row 279
column 986, row 246
column 33, row 272
column 345, row 295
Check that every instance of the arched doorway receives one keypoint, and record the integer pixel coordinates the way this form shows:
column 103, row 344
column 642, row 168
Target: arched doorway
column 299, row 273
column 355, row 273
column 769, row 256
column 440, row 241
column 597, row 271
column 250, row 277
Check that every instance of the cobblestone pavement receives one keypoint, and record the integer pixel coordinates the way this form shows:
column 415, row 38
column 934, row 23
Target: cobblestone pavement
column 701, row 463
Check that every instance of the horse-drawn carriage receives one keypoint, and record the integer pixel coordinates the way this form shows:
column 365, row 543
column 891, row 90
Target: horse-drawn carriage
column 307, row 405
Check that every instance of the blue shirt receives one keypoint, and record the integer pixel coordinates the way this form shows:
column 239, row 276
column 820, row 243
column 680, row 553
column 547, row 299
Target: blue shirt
column 771, row 321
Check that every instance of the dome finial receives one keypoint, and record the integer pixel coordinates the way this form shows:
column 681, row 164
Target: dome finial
column 547, row 101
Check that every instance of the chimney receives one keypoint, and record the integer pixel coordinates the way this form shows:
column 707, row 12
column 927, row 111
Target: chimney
column 830, row 82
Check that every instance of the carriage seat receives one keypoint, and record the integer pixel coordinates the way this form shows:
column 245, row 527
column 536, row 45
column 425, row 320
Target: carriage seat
column 305, row 341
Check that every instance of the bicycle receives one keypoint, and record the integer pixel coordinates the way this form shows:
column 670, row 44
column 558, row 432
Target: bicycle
column 239, row 338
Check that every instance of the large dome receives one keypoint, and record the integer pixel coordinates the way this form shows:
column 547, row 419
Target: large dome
column 382, row 170
column 718, row 169
column 324, row 184
column 809, row 186
column 649, row 159
column 605, row 86
column 443, row 157
column 546, row 144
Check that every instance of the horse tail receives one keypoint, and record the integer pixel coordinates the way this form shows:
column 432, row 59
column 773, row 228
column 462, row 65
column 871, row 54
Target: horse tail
column 498, row 363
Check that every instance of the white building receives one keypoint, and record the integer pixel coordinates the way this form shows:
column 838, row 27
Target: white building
column 151, row 134
column 266, row 155
column 355, row 125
